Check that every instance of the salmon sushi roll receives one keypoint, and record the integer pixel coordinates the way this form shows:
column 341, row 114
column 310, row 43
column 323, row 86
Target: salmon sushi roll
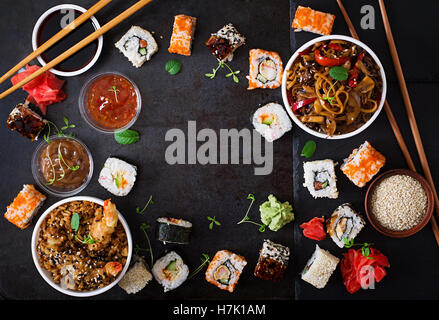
column 25, row 205
column 182, row 35
column 265, row 69
column 363, row 164
column 225, row 269
column 307, row 19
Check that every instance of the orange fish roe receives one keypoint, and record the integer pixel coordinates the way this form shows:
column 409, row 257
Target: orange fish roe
column 363, row 164
column 182, row 34
column 267, row 62
column 311, row 20
column 21, row 211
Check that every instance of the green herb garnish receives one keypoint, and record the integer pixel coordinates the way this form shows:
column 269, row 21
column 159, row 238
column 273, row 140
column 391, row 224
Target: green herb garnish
column 115, row 90
column 308, row 149
column 247, row 218
column 67, row 125
column 329, row 99
column 204, row 260
column 365, row 247
column 213, row 222
column 126, row 137
column 58, row 132
column 230, row 74
column 144, row 226
column 74, row 168
column 87, row 239
column 338, row 73
column 74, row 222
column 146, row 206
column 173, row 66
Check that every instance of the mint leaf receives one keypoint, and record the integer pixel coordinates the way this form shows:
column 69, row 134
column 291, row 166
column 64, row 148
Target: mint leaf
column 173, row 66
column 308, row 149
column 338, row 73
column 126, row 137
column 74, row 222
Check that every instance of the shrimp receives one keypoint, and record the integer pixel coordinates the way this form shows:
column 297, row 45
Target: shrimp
column 103, row 226
column 113, row 268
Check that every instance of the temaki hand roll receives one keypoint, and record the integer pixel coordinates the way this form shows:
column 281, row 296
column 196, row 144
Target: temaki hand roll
column 171, row 230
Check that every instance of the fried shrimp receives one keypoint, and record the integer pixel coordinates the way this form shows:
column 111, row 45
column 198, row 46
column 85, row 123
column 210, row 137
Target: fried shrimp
column 103, row 226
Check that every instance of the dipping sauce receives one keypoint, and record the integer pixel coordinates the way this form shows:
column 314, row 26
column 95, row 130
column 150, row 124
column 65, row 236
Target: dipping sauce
column 64, row 163
column 112, row 101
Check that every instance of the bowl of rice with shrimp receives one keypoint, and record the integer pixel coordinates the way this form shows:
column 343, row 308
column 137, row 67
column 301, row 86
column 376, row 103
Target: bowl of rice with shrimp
column 82, row 246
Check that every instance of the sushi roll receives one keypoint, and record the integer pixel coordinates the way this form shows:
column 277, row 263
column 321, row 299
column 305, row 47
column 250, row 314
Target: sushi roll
column 265, row 69
column 311, row 20
column 273, row 261
column 344, row 223
column 320, row 178
column 117, row 176
column 224, row 42
column 170, row 271
column 25, row 121
column 319, row 268
column 271, row 121
column 137, row 45
column 363, row 164
column 225, row 269
column 171, row 230
column 182, row 35
column 25, row 205
column 136, row 278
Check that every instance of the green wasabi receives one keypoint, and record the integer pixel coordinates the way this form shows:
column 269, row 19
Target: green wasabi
column 275, row 214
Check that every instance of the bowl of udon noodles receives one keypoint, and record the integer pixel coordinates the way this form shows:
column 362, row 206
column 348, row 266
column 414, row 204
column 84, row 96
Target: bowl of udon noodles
column 334, row 87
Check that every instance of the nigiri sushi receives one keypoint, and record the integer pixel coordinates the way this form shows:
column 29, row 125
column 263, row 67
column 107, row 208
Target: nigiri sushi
column 117, row 176
column 182, row 35
column 265, row 69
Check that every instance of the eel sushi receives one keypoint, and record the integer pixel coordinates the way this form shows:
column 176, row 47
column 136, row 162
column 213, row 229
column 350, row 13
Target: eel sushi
column 170, row 271
column 344, row 223
column 363, row 164
column 182, row 35
column 320, row 178
column 273, row 261
column 25, row 205
column 171, row 230
column 265, row 69
column 319, row 268
column 117, row 176
column 25, row 121
column 136, row 278
column 137, row 45
column 225, row 269
column 271, row 121
column 311, row 20
column 224, row 42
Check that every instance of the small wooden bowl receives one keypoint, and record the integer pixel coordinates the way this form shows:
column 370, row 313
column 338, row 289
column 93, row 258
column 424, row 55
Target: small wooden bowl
column 393, row 233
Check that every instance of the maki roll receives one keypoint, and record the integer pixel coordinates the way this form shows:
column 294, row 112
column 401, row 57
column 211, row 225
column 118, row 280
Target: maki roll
column 320, row 178
column 344, row 223
column 136, row 278
column 311, row 20
column 117, row 176
column 173, row 230
column 271, row 121
column 25, row 121
column 273, row 261
column 319, row 268
column 363, row 164
column 182, row 35
column 225, row 269
column 170, row 271
column 137, row 45
column 265, row 69
column 224, row 42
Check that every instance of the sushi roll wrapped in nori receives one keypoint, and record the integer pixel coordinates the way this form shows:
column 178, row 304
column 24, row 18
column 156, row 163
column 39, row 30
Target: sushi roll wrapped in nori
column 224, row 42
column 344, row 223
column 320, row 178
column 363, row 164
column 311, row 20
column 182, row 34
column 319, row 268
column 170, row 271
column 137, row 45
column 136, row 278
column 173, row 230
column 225, row 269
column 271, row 121
column 273, row 261
column 117, row 176
column 265, row 69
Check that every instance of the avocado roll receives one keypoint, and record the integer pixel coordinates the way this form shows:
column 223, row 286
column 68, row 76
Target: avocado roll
column 273, row 261
column 344, row 223
column 171, row 230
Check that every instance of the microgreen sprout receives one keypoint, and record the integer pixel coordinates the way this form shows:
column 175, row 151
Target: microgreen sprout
column 142, row 211
column 213, row 222
column 232, row 73
column 204, row 260
column 115, row 90
column 247, row 218
column 144, row 227
column 365, row 247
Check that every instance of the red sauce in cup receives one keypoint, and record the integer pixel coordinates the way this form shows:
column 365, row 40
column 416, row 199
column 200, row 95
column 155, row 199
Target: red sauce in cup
column 112, row 101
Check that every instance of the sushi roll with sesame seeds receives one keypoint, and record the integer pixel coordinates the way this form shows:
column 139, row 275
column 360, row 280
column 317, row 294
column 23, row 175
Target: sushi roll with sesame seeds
column 344, row 223
column 271, row 121
column 273, row 261
column 265, row 69
column 224, row 42
column 319, row 268
column 117, row 176
column 170, row 271
column 136, row 278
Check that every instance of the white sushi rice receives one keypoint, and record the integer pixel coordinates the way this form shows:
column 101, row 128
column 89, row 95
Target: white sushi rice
column 321, row 171
column 354, row 224
column 280, row 125
column 160, row 276
column 319, row 268
column 117, row 176
column 129, row 45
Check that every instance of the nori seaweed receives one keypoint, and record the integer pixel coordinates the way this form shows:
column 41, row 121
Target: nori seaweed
column 172, row 233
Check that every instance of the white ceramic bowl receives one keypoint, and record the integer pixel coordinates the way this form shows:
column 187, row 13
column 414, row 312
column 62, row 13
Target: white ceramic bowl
column 47, row 275
column 284, row 86
column 96, row 26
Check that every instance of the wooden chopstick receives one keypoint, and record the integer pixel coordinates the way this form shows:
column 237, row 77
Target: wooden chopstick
column 84, row 42
column 61, row 34
column 396, row 130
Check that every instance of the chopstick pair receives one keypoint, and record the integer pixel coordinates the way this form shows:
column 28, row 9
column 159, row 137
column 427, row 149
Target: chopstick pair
column 409, row 109
column 84, row 42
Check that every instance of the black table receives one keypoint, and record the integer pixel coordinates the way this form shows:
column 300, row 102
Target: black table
column 194, row 191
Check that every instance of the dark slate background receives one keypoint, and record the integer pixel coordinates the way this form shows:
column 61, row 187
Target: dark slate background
column 195, row 191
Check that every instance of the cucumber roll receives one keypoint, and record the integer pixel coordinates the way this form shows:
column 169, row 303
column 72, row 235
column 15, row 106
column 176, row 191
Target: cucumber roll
column 171, row 230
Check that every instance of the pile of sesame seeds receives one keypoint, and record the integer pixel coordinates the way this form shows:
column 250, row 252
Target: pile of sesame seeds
column 399, row 202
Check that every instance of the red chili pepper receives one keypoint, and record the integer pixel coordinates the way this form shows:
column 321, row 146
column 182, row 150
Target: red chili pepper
column 329, row 62
column 353, row 77
column 335, row 46
column 305, row 52
column 299, row 104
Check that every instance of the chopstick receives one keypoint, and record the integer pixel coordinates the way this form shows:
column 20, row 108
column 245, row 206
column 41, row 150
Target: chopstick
column 397, row 131
column 84, row 42
column 61, row 34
